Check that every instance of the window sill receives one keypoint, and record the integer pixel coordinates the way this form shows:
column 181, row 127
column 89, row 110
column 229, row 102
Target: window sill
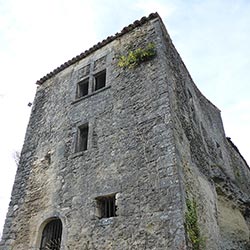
column 91, row 94
column 106, row 221
column 77, row 154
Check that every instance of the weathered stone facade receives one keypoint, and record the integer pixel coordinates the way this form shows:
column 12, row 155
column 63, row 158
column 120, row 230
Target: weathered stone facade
column 154, row 141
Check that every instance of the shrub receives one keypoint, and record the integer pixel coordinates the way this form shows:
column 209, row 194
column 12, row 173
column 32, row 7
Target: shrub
column 137, row 56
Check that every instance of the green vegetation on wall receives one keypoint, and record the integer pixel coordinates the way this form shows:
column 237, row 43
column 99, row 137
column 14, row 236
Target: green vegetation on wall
column 137, row 56
column 191, row 224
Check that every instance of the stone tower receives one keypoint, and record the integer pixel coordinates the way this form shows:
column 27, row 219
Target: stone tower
column 123, row 152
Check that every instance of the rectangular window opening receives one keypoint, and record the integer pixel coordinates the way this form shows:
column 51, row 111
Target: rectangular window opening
column 100, row 80
column 82, row 140
column 106, row 206
column 83, row 88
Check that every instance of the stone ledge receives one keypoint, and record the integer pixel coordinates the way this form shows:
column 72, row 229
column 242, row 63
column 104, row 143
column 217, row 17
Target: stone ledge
column 91, row 94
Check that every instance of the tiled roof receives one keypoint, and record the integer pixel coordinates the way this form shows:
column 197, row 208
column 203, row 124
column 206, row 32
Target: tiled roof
column 99, row 45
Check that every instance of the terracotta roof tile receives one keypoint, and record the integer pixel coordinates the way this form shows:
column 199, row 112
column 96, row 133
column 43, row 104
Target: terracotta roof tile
column 98, row 46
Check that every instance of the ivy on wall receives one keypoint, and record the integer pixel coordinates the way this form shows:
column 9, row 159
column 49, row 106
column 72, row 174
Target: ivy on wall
column 137, row 56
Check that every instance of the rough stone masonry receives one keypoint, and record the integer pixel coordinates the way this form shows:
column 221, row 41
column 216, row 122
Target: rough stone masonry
column 127, row 158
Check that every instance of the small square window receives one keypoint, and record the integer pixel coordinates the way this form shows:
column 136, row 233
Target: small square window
column 83, row 88
column 100, row 80
column 106, row 206
column 82, row 138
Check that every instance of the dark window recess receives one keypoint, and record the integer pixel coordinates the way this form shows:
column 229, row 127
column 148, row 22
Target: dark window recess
column 100, row 80
column 51, row 236
column 106, row 206
column 82, row 141
column 83, row 88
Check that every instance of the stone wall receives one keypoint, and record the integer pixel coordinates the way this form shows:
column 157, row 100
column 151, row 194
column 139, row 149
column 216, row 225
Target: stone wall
column 214, row 173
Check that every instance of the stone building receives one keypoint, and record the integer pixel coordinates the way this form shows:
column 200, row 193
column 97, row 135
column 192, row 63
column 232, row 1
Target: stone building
column 123, row 152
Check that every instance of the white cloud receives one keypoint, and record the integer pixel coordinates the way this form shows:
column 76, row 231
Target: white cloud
column 164, row 8
column 236, row 117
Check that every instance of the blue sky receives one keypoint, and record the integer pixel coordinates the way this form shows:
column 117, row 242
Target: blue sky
column 212, row 37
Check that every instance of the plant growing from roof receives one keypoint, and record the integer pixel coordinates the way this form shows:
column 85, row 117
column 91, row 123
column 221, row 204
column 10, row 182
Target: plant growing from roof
column 137, row 56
